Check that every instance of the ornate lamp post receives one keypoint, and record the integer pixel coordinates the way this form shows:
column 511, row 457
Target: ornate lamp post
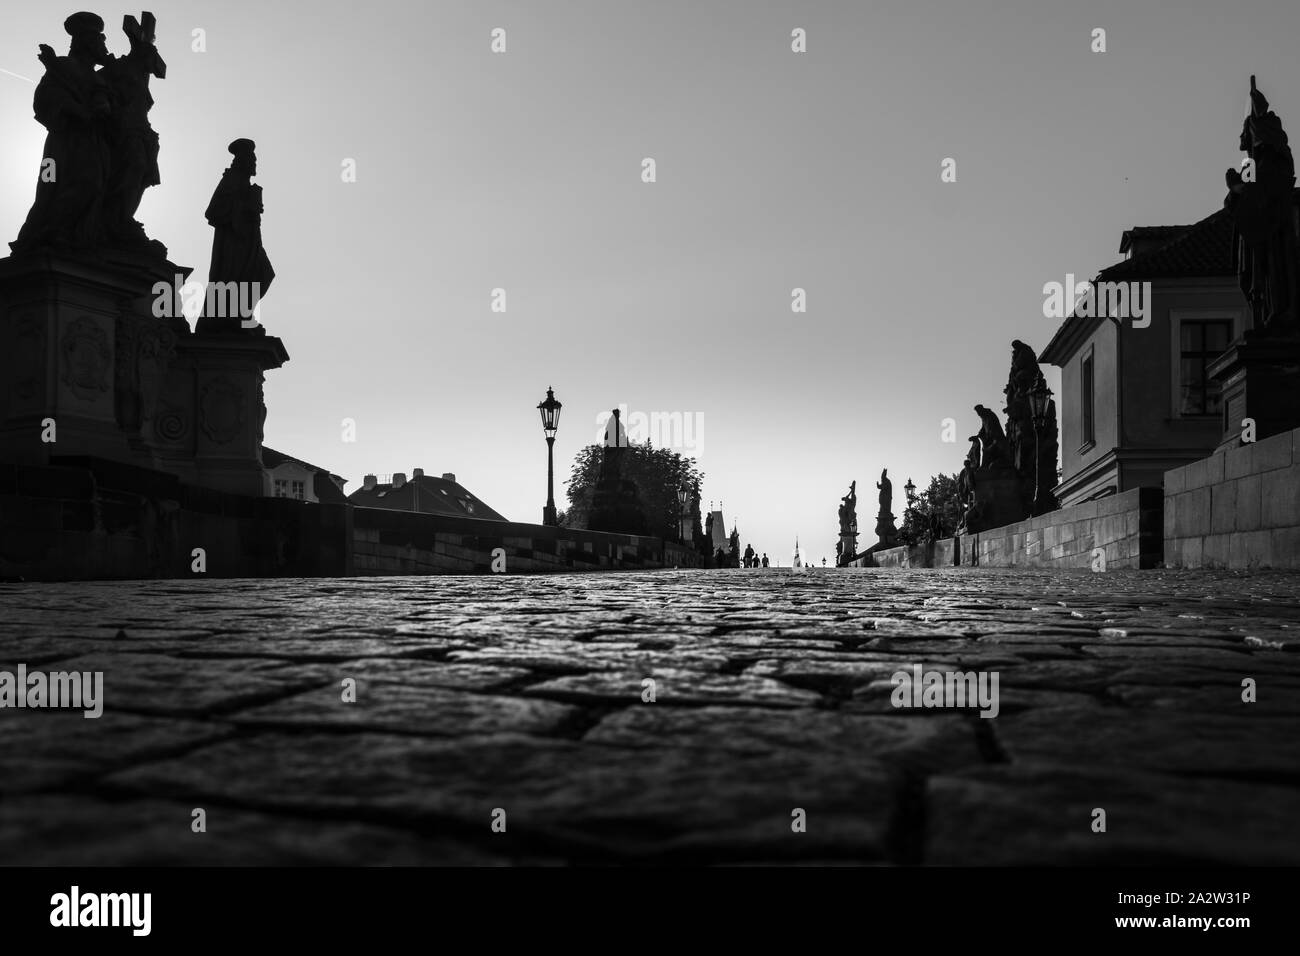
column 683, row 495
column 550, row 411
column 910, row 519
column 1039, row 402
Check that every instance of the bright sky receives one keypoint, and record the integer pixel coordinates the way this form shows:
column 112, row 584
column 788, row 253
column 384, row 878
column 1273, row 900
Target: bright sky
column 775, row 170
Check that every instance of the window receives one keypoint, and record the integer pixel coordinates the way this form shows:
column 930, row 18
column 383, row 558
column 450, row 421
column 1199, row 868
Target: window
column 287, row 488
column 1200, row 342
column 1086, row 399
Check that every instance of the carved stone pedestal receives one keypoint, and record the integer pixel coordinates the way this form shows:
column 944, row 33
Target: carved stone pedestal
column 1260, row 378
column 848, row 546
column 616, row 507
column 997, row 500
column 221, row 446
column 83, row 355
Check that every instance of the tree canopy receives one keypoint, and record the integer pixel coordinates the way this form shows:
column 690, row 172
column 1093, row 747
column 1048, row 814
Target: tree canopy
column 657, row 472
column 941, row 499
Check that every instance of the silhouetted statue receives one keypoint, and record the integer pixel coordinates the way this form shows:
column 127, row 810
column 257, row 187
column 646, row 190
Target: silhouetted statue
column 849, row 510
column 74, row 103
column 1264, row 221
column 239, row 261
column 966, row 482
column 993, row 440
column 886, row 528
column 134, row 142
column 1032, row 446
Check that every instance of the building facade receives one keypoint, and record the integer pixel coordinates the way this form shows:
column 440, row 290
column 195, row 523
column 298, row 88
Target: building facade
column 1135, row 397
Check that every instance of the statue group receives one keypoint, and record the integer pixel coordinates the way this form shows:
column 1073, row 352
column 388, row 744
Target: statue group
column 101, row 155
column 1009, row 472
column 92, row 301
column 847, row 545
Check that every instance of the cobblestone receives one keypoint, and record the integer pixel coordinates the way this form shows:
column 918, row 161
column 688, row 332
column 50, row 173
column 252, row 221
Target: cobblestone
column 1120, row 691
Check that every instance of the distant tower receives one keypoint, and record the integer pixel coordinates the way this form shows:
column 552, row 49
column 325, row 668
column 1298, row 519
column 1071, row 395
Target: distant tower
column 797, row 562
column 717, row 529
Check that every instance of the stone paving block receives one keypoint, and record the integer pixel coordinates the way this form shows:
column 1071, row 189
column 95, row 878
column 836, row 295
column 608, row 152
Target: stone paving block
column 41, row 749
column 1041, row 813
column 597, row 803
column 1160, row 741
column 68, row 831
column 408, row 708
column 773, row 692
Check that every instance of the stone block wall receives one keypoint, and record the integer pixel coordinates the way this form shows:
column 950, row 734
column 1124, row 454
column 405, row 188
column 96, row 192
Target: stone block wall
column 394, row 542
column 1127, row 527
column 90, row 519
column 1238, row 508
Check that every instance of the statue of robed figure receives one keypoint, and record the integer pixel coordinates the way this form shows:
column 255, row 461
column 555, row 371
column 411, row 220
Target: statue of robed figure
column 135, row 144
column 239, row 261
column 1261, row 201
column 74, row 103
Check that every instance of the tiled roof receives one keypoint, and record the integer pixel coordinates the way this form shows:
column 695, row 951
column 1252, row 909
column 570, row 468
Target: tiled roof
column 1145, row 234
column 426, row 494
column 1202, row 249
column 324, row 485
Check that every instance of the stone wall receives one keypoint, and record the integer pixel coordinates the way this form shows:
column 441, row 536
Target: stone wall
column 1127, row 527
column 1238, row 508
column 394, row 542
column 90, row 519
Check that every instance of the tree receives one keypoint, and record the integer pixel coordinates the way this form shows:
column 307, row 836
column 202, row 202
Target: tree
column 939, row 499
column 657, row 472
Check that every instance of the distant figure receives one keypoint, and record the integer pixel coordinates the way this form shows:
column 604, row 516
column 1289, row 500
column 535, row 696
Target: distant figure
column 720, row 558
column 823, row 562
column 764, row 559
column 749, row 557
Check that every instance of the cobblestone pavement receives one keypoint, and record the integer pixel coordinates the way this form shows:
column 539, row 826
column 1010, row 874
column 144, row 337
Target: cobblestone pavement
column 1120, row 691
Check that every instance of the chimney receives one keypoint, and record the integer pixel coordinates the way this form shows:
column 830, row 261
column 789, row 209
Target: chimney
column 368, row 483
column 448, row 476
column 399, row 479
column 417, row 473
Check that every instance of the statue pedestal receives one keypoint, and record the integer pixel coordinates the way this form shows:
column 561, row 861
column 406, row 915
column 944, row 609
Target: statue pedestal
column 81, row 346
column 616, row 507
column 221, row 443
column 886, row 529
column 848, row 546
column 1260, row 378
column 997, row 499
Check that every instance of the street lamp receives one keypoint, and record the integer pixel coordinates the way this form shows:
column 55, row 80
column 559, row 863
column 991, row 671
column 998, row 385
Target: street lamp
column 1039, row 401
column 683, row 495
column 911, row 491
column 550, row 411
